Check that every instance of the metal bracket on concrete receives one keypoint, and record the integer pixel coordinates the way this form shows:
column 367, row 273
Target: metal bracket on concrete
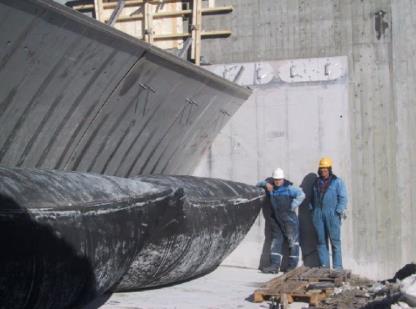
column 311, row 70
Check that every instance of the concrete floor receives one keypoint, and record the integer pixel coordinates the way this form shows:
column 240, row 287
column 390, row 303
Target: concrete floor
column 225, row 288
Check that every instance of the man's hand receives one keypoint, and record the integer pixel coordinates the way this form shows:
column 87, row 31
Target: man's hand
column 269, row 187
column 342, row 215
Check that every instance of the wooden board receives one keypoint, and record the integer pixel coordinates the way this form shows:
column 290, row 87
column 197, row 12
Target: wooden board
column 302, row 284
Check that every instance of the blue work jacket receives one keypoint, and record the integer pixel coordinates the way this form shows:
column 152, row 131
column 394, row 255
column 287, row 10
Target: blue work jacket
column 333, row 199
column 296, row 194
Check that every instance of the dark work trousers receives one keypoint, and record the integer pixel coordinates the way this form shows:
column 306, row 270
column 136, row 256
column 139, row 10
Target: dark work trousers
column 284, row 225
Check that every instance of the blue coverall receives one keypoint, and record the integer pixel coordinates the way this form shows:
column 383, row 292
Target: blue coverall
column 284, row 224
column 328, row 208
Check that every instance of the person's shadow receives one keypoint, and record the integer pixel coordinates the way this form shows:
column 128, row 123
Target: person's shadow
column 266, row 210
column 307, row 234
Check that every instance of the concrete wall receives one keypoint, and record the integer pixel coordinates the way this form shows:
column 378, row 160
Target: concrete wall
column 376, row 36
column 287, row 122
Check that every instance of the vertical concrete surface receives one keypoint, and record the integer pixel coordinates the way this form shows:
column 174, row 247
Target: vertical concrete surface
column 286, row 123
column 376, row 37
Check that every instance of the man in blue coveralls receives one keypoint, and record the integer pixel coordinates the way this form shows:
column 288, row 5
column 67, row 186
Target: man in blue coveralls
column 285, row 198
column 328, row 205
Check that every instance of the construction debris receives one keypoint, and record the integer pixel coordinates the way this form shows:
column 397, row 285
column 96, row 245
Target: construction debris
column 408, row 290
column 306, row 284
column 331, row 289
column 398, row 292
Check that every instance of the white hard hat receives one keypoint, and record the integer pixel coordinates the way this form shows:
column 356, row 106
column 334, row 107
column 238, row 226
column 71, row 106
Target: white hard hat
column 278, row 173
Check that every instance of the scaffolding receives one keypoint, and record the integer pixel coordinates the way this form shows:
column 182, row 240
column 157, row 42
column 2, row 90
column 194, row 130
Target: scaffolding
column 168, row 24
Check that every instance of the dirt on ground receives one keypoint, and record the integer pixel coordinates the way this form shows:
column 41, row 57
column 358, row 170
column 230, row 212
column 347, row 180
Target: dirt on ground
column 364, row 293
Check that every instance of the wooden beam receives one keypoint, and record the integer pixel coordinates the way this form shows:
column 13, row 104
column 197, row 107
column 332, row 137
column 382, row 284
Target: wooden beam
column 172, row 13
column 196, row 31
column 193, row 28
column 111, row 5
column 150, row 22
column 171, row 36
column 216, row 33
column 204, row 34
column 223, row 9
column 218, row 10
column 81, row 7
column 155, row 15
column 98, row 5
column 147, row 23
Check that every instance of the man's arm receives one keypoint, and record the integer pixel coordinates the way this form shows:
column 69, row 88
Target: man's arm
column 341, row 197
column 266, row 184
column 261, row 184
column 298, row 196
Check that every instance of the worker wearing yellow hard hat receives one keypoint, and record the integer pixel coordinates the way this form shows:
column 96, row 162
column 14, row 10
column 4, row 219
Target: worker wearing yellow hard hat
column 325, row 162
column 328, row 203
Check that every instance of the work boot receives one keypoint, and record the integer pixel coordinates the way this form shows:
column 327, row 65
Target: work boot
column 337, row 271
column 288, row 269
column 270, row 269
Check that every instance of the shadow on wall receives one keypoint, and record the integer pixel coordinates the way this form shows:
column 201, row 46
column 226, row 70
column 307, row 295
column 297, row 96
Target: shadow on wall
column 266, row 210
column 38, row 268
column 307, row 236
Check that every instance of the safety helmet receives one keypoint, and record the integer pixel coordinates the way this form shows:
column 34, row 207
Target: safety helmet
column 278, row 174
column 325, row 162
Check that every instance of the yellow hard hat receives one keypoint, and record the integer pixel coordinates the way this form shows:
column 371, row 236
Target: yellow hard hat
column 325, row 162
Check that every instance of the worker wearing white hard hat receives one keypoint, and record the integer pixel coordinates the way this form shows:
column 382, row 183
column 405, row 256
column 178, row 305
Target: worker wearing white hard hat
column 285, row 198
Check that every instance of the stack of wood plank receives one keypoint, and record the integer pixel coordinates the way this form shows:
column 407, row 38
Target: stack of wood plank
column 304, row 284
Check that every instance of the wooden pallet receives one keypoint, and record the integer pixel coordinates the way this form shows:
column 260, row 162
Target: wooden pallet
column 305, row 284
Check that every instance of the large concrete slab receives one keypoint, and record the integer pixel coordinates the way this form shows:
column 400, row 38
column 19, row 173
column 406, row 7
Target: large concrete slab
column 377, row 38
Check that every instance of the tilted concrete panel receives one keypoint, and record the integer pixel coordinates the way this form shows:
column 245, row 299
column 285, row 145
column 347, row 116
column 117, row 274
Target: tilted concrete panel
column 76, row 94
